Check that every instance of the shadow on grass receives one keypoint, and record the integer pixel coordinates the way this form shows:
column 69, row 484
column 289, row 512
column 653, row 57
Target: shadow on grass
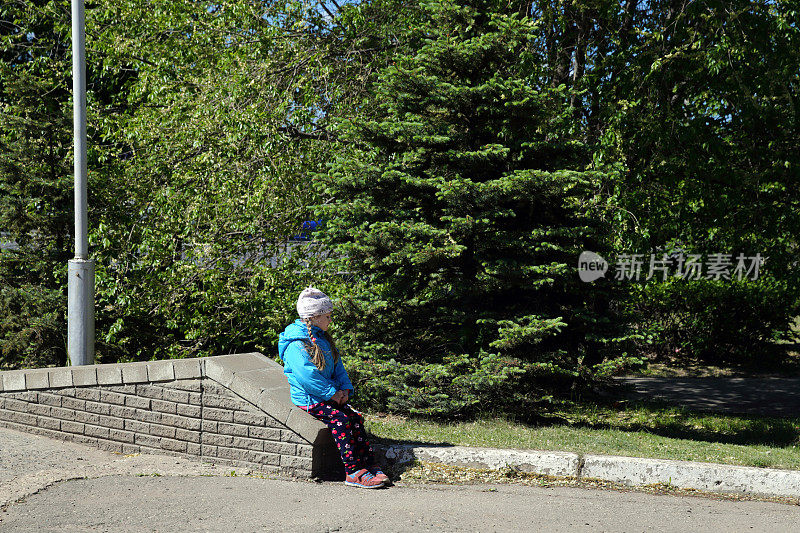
column 610, row 408
column 781, row 359
column 654, row 418
column 667, row 420
column 749, row 411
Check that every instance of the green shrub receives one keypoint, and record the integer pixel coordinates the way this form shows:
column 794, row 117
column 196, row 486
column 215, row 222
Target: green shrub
column 717, row 322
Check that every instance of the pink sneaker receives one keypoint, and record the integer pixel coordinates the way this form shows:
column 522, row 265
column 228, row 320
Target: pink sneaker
column 363, row 479
column 379, row 475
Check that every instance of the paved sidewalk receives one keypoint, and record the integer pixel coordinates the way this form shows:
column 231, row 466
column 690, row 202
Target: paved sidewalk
column 779, row 397
column 29, row 463
column 121, row 494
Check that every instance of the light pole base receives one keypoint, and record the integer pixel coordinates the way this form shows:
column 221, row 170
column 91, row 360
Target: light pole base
column 80, row 312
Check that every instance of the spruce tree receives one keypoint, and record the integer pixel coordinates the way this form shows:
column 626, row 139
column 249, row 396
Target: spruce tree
column 35, row 182
column 461, row 210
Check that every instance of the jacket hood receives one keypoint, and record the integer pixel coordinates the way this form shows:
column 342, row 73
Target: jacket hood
column 296, row 331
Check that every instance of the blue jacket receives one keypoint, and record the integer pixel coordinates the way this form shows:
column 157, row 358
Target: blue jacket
column 307, row 383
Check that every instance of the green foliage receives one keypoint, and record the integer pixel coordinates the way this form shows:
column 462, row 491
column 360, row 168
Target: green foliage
column 473, row 152
column 713, row 322
column 35, row 185
column 459, row 218
column 451, row 388
column 704, row 117
column 216, row 138
column 215, row 189
column 696, row 105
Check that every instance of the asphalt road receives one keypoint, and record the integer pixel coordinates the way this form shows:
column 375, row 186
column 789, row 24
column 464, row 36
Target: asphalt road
column 777, row 397
column 39, row 492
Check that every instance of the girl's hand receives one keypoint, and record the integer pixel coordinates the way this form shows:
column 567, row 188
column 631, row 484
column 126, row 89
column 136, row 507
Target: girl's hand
column 339, row 397
column 345, row 396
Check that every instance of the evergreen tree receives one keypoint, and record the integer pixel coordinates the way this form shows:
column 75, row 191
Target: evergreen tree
column 462, row 213
column 35, row 185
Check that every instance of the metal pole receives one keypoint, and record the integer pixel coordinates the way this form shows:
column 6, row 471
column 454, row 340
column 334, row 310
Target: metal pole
column 80, row 286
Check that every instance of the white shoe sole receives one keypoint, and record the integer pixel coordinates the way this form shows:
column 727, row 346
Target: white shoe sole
column 359, row 485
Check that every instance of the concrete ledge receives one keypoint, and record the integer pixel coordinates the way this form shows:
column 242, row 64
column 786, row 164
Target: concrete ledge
column 188, row 368
column 37, row 379
column 61, row 377
column 160, row 371
column 106, row 374
column 134, row 373
column 308, row 427
column 260, row 381
column 109, row 374
column 14, row 380
column 223, row 367
column 84, row 376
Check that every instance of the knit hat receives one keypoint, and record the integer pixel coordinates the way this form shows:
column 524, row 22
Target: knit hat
column 313, row 302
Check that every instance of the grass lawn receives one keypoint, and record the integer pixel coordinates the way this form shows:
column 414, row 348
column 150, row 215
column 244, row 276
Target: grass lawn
column 636, row 431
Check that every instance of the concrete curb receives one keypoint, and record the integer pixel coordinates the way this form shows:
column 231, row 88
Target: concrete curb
column 629, row 471
column 710, row 477
column 562, row 464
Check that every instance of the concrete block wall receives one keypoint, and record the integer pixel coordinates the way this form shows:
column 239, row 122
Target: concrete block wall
column 231, row 410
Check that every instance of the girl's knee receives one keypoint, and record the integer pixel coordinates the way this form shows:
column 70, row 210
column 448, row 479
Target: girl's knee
column 342, row 417
column 355, row 417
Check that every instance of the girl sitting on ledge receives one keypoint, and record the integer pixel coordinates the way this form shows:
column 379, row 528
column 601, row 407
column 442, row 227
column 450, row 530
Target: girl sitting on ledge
column 320, row 386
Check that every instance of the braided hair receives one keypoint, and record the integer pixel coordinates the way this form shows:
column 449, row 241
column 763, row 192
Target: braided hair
column 315, row 351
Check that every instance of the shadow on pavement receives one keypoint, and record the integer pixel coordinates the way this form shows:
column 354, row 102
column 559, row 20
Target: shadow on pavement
column 772, row 397
column 762, row 411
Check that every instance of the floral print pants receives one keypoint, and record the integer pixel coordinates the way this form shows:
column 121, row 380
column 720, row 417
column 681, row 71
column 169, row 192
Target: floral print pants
column 347, row 428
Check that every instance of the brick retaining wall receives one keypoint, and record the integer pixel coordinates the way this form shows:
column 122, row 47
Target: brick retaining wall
column 232, row 410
